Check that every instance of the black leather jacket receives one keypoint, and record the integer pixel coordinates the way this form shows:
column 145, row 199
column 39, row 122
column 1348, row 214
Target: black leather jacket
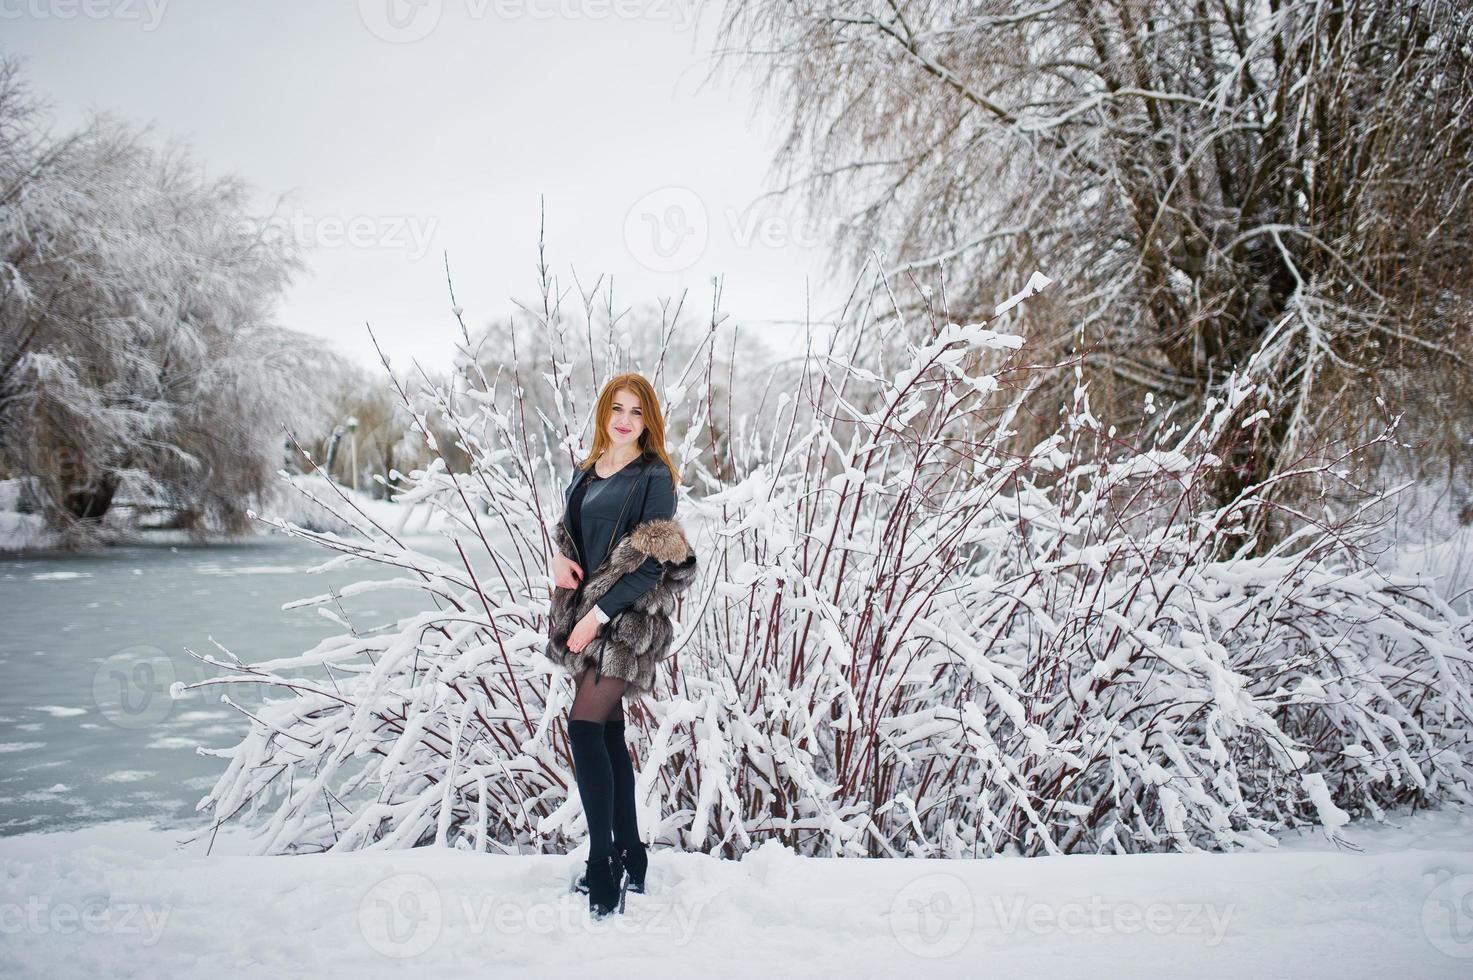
column 640, row 491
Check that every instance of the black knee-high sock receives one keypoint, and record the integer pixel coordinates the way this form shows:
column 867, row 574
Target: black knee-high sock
column 595, row 783
column 626, row 822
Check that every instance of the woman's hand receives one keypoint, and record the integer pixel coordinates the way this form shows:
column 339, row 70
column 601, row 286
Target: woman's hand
column 566, row 572
column 584, row 632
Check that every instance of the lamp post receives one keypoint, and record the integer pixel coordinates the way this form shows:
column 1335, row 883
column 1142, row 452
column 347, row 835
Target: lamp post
column 353, row 443
column 332, row 448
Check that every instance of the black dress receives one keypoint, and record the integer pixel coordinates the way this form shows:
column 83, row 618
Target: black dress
column 575, row 514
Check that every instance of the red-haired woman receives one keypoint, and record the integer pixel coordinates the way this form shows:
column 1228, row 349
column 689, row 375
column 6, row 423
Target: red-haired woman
column 623, row 558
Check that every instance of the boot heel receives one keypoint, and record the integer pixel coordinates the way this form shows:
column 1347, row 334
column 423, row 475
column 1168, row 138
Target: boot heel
column 636, row 861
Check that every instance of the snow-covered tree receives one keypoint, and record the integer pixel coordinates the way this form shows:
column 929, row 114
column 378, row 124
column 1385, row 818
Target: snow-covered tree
column 135, row 333
column 1204, row 180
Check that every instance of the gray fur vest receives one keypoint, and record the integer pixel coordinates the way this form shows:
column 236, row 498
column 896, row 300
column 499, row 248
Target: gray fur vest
column 638, row 637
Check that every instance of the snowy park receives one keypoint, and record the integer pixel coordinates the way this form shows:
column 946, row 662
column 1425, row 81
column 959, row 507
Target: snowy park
column 1013, row 517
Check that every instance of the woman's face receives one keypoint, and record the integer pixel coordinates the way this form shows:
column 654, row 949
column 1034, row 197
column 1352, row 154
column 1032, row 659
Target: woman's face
column 626, row 421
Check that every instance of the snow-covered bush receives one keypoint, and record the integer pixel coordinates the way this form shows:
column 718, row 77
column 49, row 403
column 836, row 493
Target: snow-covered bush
column 909, row 638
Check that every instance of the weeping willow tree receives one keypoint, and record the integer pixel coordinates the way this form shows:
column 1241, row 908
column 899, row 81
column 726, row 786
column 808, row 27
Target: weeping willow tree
column 1206, row 179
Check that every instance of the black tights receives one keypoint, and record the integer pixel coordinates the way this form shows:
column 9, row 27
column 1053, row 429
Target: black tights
column 601, row 763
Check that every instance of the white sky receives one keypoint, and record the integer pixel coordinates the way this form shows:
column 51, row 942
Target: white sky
column 399, row 129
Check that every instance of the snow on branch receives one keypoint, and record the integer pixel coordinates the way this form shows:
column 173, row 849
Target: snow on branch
column 910, row 637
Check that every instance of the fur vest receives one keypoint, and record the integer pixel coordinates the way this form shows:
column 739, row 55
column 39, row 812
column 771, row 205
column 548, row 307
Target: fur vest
column 638, row 637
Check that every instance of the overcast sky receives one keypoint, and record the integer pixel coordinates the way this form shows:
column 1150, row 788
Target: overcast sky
column 400, row 129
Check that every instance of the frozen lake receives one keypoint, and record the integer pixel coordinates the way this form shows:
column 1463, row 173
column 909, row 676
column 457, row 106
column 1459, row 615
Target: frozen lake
column 90, row 643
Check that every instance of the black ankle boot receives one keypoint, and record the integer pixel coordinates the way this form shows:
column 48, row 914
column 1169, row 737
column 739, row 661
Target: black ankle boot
column 606, row 882
column 636, row 861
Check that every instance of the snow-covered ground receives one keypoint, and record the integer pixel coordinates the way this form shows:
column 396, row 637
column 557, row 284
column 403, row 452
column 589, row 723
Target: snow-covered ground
column 121, row 900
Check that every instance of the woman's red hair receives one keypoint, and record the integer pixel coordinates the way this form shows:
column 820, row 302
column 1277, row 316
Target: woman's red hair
column 652, row 439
